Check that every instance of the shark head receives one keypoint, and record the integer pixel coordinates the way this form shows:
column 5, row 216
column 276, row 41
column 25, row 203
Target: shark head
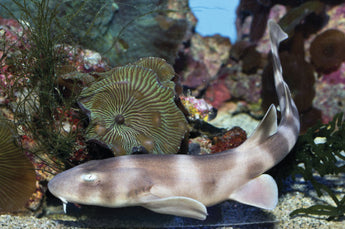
column 79, row 181
column 89, row 184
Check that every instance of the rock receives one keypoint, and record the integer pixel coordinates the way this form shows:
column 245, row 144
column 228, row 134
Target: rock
column 123, row 31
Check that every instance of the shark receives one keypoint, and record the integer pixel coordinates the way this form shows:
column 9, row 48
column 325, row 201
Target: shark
column 185, row 185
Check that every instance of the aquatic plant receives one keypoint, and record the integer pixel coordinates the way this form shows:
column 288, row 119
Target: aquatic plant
column 35, row 96
column 321, row 152
column 130, row 111
column 318, row 153
column 17, row 174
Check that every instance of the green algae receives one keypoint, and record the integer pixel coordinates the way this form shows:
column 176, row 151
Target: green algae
column 321, row 151
column 36, row 99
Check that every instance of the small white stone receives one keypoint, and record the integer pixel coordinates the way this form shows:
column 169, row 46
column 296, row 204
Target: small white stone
column 320, row 140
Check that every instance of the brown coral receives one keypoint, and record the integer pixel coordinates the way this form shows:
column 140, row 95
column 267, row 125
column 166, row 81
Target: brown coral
column 17, row 175
column 131, row 111
column 327, row 51
column 299, row 75
column 246, row 52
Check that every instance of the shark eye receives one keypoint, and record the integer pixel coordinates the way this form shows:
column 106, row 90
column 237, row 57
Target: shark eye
column 89, row 177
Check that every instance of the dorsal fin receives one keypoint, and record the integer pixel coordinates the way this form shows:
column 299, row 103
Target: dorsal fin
column 266, row 128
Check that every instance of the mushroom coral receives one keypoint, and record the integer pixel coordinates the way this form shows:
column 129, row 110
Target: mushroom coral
column 327, row 51
column 17, row 174
column 131, row 111
column 164, row 71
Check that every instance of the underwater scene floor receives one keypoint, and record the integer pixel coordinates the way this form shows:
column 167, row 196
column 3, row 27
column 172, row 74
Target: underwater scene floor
column 229, row 214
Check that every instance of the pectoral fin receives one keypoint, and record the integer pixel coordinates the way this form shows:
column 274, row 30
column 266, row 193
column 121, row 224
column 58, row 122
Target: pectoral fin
column 179, row 206
column 260, row 192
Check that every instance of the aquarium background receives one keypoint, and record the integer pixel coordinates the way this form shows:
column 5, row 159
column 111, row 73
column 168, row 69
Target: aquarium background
column 215, row 17
column 54, row 51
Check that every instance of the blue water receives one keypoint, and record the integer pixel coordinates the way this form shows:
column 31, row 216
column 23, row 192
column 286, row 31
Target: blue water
column 215, row 17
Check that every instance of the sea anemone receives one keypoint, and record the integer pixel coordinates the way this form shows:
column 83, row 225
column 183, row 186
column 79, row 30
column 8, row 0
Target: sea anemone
column 327, row 51
column 131, row 111
column 17, row 174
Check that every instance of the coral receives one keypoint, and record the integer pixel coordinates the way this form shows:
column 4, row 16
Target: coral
column 231, row 139
column 310, row 12
column 130, row 111
column 202, row 60
column 298, row 74
column 80, row 60
column 71, row 71
column 241, row 86
column 164, row 71
column 258, row 12
column 211, row 50
column 217, row 93
column 252, row 16
column 17, row 174
column 300, row 23
column 310, row 117
column 336, row 77
column 330, row 99
column 327, row 51
column 246, row 52
column 195, row 75
column 200, row 146
column 197, row 108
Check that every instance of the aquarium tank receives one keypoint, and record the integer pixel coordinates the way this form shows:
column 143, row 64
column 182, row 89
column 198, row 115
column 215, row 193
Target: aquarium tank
column 85, row 82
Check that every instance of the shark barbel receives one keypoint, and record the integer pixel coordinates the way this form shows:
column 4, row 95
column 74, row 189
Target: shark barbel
column 184, row 185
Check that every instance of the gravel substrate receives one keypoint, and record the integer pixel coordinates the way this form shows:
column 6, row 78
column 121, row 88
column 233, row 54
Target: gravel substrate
column 226, row 215
column 242, row 216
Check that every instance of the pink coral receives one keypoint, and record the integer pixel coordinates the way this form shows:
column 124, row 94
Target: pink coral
column 197, row 108
column 217, row 93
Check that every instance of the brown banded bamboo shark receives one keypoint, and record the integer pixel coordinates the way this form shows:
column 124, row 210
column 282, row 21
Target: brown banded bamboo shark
column 184, row 185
